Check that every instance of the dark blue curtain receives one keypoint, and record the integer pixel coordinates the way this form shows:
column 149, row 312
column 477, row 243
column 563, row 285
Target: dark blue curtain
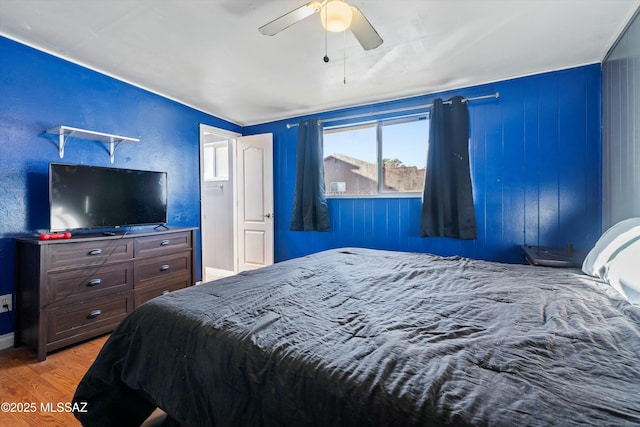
column 447, row 201
column 309, row 211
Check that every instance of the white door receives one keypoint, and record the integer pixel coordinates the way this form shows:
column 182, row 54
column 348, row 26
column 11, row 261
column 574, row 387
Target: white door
column 254, row 180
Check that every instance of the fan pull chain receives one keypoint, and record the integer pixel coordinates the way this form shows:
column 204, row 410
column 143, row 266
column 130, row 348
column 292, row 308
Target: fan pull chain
column 326, row 54
column 344, row 59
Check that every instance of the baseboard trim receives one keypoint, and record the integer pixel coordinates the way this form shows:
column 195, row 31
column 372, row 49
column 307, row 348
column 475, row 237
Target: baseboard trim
column 6, row 341
column 216, row 273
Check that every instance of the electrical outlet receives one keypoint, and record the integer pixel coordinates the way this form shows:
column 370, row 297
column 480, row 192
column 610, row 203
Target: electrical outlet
column 6, row 300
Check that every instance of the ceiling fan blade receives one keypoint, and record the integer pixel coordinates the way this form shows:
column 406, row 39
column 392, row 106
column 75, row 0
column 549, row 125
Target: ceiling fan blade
column 364, row 31
column 288, row 19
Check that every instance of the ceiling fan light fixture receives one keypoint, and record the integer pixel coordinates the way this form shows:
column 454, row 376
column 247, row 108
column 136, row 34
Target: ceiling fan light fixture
column 336, row 16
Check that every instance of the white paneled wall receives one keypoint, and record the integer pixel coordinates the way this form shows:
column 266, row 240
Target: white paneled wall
column 621, row 128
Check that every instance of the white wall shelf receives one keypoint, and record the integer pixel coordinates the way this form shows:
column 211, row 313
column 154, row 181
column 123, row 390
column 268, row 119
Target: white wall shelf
column 66, row 132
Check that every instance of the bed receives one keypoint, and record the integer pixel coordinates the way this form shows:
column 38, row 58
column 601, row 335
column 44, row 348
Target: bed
column 362, row 337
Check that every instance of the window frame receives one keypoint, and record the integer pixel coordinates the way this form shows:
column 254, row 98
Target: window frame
column 379, row 125
column 217, row 175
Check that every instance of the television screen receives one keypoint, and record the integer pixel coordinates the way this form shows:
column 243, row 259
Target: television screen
column 85, row 197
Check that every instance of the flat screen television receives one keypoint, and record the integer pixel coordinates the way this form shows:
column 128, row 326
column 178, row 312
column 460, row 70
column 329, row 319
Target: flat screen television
column 94, row 197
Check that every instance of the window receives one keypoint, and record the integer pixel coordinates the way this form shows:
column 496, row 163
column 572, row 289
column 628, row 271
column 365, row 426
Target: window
column 216, row 161
column 376, row 160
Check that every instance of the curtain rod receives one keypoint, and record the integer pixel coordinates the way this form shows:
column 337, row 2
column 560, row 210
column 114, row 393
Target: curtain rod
column 398, row 110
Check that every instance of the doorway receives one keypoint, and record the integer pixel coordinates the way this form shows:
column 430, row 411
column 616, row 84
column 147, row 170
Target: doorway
column 217, row 201
column 236, row 175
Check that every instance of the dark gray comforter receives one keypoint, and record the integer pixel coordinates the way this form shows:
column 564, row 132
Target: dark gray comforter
column 357, row 337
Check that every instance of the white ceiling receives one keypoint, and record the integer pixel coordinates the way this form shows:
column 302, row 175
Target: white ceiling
column 208, row 54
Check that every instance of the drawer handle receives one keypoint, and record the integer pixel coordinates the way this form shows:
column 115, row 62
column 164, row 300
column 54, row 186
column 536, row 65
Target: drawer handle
column 164, row 243
column 165, row 267
column 95, row 252
column 94, row 282
column 94, row 314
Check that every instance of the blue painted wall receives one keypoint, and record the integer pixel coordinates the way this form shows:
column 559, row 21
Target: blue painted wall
column 535, row 159
column 39, row 92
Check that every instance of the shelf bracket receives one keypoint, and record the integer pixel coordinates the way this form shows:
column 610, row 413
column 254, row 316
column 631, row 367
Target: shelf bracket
column 112, row 150
column 61, row 142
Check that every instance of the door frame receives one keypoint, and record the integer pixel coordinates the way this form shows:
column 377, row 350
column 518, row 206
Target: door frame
column 232, row 136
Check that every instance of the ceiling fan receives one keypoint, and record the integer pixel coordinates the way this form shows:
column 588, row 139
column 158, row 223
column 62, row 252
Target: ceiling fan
column 335, row 15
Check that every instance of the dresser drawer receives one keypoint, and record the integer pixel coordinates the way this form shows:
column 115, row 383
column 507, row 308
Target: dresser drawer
column 74, row 285
column 160, row 269
column 149, row 292
column 86, row 319
column 80, row 254
column 162, row 244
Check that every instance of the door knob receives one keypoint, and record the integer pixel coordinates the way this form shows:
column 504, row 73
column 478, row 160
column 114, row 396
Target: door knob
column 268, row 215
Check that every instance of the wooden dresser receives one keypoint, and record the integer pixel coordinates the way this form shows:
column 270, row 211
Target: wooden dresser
column 69, row 290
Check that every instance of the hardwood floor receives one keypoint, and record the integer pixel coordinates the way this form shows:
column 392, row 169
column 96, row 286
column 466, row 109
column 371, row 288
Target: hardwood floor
column 38, row 388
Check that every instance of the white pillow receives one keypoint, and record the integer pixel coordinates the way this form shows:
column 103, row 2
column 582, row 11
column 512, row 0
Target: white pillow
column 623, row 272
column 608, row 246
